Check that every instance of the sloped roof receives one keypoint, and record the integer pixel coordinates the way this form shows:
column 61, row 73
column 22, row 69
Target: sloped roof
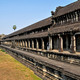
column 37, row 25
column 66, row 28
column 69, row 8
column 34, row 35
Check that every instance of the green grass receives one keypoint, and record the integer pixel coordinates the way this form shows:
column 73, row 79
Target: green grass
column 11, row 69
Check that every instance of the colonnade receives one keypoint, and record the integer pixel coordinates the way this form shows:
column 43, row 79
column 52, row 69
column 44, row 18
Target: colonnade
column 31, row 43
column 47, row 43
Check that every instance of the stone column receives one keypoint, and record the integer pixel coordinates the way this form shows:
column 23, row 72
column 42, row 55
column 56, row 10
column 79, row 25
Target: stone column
column 61, row 22
column 18, row 43
column 60, row 43
column 32, row 44
column 72, row 17
column 67, row 44
column 76, row 16
column 21, row 44
column 13, row 44
column 54, row 22
column 42, row 43
column 67, row 17
column 50, row 43
column 37, row 44
column 73, row 44
column 26, row 43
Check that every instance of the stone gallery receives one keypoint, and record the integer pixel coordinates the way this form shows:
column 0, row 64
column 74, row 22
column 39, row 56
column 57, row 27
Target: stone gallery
column 51, row 47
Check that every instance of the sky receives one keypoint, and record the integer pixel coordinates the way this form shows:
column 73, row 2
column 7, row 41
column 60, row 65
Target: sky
column 23, row 13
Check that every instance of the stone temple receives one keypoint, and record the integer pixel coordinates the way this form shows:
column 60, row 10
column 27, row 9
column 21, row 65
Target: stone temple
column 50, row 47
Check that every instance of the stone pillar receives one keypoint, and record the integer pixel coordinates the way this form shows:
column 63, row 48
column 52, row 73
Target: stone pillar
column 21, row 44
column 54, row 22
column 32, row 44
column 72, row 17
column 61, row 22
column 18, row 43
column 67, row 44
column 37, row 44
column 60, row 43
column 76, row 16
column 13, row 44
column 73, row 44
column 67, row 19
column 50, row 43
column 26, row 43
column 42, row 43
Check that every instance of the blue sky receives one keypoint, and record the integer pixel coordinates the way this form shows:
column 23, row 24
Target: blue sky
column 26, row 12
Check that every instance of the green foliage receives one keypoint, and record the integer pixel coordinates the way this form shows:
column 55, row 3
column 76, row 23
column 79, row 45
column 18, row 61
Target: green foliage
column 14, row 27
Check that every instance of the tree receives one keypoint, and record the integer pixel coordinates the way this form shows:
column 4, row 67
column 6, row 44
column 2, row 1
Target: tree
column 14, row 27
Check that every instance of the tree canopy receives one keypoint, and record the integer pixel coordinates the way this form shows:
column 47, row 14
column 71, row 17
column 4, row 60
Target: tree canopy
column 14, row 27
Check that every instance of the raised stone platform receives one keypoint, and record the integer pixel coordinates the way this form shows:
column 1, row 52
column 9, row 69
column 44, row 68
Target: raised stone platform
column 67, row 70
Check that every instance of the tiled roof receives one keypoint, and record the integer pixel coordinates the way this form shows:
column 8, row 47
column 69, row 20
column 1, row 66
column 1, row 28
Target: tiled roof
column 35, row 35
column 69, row 8
column 37, row 25
column 66, row 28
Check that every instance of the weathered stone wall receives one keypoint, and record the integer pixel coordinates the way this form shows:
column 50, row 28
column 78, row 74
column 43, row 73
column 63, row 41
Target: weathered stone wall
column 43, row 70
